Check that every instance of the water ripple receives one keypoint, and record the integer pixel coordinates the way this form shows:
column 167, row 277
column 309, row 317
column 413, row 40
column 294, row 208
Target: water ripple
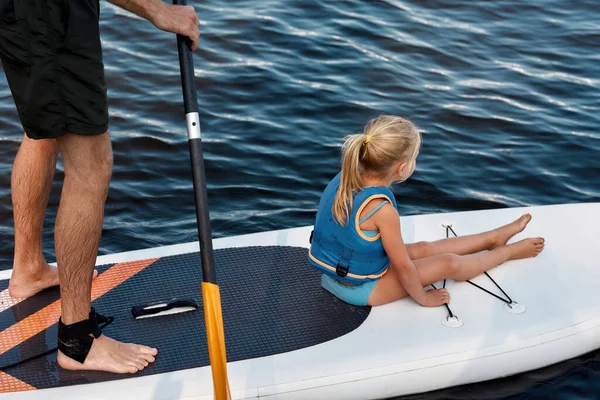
column 548, row 75
column 505, row 93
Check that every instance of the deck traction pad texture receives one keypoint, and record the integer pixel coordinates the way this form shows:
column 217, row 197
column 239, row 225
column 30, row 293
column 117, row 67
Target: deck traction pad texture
column 272, row 303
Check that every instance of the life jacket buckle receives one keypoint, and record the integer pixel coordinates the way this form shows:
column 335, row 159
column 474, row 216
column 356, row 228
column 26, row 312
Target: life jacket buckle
column 341, row 270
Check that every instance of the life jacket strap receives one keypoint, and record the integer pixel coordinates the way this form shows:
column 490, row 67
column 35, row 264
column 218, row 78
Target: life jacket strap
column 343, row 265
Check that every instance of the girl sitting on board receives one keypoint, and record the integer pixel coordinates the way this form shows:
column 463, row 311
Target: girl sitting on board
column 357, row 243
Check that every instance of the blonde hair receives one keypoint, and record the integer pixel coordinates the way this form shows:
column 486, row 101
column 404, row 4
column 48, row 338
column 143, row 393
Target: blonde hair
column 385, row 141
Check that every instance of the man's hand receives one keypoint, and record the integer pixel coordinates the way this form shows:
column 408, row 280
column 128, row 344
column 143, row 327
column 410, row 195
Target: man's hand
column 178, row 19
column 167, row 17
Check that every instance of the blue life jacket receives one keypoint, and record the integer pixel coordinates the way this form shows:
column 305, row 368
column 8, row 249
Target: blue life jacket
column 345, row 252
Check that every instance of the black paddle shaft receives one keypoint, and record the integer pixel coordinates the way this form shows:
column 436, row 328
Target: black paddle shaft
column 190, row 101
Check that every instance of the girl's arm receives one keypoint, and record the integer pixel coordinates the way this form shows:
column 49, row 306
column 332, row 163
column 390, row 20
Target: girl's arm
column 388, row 223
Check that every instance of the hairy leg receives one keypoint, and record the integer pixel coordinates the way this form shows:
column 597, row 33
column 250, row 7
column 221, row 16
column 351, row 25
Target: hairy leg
column 31, row 182
column 441, row 266
column 469, row 244
column 88, row 164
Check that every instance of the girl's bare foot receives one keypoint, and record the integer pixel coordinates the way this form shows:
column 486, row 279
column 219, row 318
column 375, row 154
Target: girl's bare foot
column 109, row 355
column 26, row 284
column 504, row 233
column 525, row 248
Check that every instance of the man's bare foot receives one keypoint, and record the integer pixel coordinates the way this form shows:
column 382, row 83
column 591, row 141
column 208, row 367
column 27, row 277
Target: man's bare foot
column 26, row 284
column 504, row 233
column 109, row 355
column 525, row 248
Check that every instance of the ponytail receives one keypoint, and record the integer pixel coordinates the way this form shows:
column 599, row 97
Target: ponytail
column 350, row 177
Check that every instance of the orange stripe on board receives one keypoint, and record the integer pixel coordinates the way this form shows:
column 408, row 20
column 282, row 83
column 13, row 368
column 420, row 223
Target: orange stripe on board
column 49, row 315
column 7, row 301
column 9, row 384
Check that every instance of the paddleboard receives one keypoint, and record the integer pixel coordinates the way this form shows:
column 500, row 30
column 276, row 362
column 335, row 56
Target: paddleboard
column 287, row 338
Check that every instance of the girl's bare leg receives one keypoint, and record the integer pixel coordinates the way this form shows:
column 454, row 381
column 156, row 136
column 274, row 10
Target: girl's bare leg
column 460, row 268
column 469, row 244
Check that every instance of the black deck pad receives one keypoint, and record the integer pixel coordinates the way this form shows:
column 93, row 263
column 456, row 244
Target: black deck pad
column 272, row 303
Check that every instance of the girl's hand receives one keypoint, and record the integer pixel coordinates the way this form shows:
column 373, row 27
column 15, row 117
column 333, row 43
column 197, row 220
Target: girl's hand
column 436, row 297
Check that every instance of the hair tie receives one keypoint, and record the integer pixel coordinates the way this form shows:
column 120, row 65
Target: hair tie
column 367, row 139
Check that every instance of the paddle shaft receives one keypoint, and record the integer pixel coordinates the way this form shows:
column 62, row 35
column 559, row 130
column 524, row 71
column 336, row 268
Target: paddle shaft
column 210, row 290
column 190, row 102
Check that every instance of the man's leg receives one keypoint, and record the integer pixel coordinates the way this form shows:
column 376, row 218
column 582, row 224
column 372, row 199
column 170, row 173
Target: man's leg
column 88, row 164
column 31, row 182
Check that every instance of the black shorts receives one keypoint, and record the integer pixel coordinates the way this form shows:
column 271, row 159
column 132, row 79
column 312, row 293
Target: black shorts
column 52, row 57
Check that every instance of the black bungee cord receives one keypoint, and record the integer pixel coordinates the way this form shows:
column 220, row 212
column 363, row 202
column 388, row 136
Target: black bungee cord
column 508, row 300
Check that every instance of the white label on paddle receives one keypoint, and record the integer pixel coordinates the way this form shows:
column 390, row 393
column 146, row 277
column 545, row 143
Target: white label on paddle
column 193, row 125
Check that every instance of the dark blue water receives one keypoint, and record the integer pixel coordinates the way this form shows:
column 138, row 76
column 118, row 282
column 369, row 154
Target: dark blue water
column 506, row 93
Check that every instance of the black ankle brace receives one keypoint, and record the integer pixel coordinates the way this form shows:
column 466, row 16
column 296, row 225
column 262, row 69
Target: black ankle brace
column 74, row 340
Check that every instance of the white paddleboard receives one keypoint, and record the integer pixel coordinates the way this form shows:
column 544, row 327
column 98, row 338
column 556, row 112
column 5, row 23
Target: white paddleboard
column 403, row 348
